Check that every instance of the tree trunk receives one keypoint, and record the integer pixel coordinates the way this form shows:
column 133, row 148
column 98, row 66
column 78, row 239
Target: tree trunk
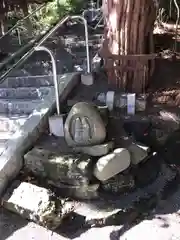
column 129, row 31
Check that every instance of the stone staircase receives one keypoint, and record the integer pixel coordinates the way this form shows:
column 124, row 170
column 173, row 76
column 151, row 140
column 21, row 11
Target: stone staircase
column 77, row 47
column 25, row 104
column 19, row 97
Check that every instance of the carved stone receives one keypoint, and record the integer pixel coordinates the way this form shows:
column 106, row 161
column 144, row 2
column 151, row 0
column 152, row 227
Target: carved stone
column 84, row 126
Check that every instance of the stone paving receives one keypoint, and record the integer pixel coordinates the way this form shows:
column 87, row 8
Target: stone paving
column 163, row 223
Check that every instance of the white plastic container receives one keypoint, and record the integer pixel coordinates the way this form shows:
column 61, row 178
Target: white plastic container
column 56, row 125
column 131, row 103
column 110, row 100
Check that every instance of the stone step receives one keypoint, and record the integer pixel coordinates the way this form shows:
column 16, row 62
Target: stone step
column 27, row 81
column 12, row 122
column 18, row 106
column 24, row 92
column 75, row 42
column 4, row 137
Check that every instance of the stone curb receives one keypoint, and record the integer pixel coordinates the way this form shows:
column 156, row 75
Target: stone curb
column 11, row 158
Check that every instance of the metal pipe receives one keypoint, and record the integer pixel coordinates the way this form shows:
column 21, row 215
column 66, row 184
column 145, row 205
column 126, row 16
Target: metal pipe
column 98, row 4
column 54, row 70
column 19, row 36
column 21, row 20
column 86, row 40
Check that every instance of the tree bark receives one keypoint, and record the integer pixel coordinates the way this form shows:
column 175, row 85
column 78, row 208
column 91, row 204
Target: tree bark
column 129, row 29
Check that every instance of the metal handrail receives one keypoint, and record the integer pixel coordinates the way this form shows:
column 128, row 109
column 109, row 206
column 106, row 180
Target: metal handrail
column 31, row 51
column 21, row 20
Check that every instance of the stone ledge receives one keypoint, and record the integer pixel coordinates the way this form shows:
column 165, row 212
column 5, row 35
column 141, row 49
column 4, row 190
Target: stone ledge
column 11, row 158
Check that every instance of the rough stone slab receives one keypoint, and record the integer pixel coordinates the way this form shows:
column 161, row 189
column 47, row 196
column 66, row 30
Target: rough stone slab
column 118, row 184
column 108, row 205
column 105, row 233
column 74, row 169
column 11, row 158
column 36, row 203
column 138, row 153
column 162, row 223
column 81, row 192
column 13, row 227
column 97, row 150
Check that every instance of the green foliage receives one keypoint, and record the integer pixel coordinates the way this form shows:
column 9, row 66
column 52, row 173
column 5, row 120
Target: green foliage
column 76, row 6
column 46, row 17
column 57, row 9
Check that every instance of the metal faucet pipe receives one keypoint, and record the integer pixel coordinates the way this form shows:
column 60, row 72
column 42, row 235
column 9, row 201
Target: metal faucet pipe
column 54, row 70
column 86, row 39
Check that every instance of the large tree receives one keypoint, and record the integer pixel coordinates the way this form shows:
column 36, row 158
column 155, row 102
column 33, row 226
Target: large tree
column 129, row 31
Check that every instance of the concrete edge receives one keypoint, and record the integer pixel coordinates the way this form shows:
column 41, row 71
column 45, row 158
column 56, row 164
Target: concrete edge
column 11, row 160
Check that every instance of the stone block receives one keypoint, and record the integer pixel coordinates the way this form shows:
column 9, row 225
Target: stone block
column 120, row 183
column 37, row 204
column 96, row 150
column 80, row 192
column 74, row 169
column 87, row 79
column 138, row 152
column 112, row 164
